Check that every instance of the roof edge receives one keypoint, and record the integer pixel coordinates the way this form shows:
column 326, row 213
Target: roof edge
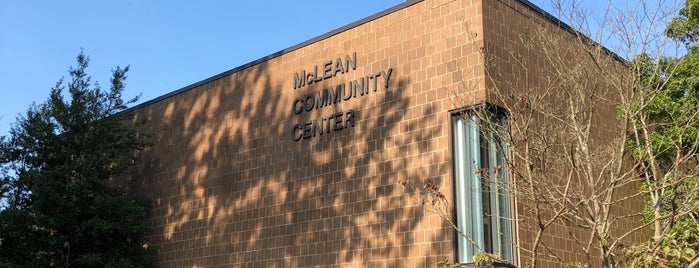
column 548, row 16
column 278, row 53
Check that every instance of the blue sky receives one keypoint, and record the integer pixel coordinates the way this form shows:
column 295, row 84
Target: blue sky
column 168, row 44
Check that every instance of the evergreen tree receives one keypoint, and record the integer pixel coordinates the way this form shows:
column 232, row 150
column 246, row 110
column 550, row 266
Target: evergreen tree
column 60, row 208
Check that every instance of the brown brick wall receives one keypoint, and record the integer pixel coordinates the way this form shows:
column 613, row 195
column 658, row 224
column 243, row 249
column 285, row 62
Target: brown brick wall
column 519, row 67
column 516, row 67
column 231, row 188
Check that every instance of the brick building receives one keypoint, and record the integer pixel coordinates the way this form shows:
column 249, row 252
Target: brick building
column 297, row 159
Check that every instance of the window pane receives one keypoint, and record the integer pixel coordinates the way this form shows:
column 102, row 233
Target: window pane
column 467, row 188
column 481, row 190
column 502, row 200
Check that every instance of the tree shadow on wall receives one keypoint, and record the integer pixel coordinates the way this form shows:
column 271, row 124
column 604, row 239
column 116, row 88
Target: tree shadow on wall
column 230, row 186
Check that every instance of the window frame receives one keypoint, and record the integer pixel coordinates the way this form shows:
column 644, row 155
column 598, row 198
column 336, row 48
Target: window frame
column 493, row 233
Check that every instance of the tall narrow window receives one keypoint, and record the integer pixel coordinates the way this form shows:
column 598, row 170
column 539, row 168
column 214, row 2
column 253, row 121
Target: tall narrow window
column 481, row 187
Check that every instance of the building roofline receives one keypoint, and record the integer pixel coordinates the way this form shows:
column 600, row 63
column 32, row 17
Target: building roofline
column 279, row 53
column 526, row 3
column 570, row 29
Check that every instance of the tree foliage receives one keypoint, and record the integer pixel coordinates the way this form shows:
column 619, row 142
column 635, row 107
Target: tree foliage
column 60, row 208
column 685, row 27
column 668, row 154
